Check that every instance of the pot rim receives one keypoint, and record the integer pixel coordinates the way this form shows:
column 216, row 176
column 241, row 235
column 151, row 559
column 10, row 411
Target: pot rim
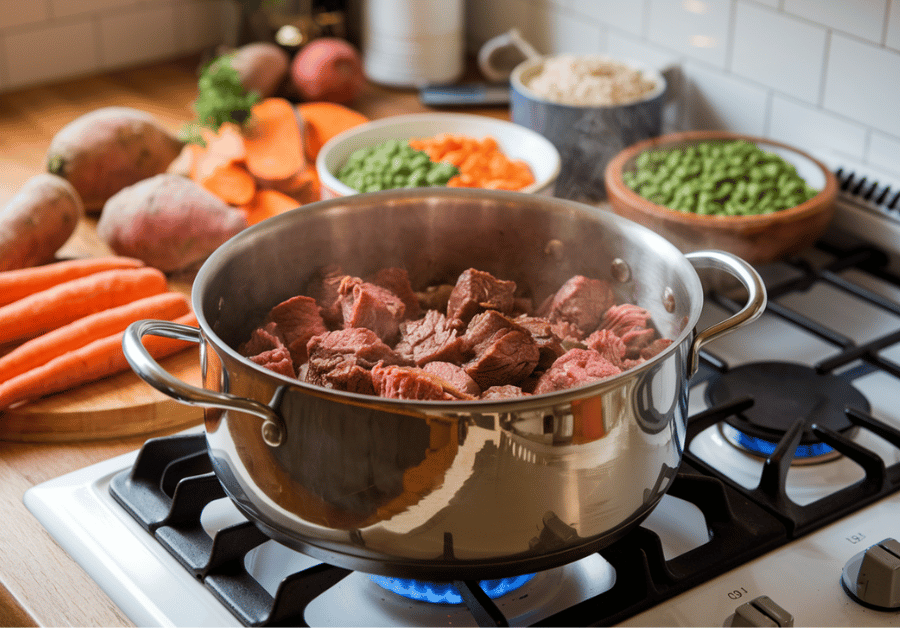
column 214, row 262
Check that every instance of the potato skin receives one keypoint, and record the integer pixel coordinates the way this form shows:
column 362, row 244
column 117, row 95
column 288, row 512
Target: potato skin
column 262, row 67
column 37, row 221
column 167, row 221
column 108, row 149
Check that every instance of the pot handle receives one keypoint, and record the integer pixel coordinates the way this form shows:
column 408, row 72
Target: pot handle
column 756, row 298
column 151, row 372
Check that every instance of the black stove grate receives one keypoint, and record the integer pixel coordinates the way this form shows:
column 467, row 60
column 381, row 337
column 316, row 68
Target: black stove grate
column 172, row 481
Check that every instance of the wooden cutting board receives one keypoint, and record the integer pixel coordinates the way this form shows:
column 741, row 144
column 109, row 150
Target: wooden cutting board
column 115, row 407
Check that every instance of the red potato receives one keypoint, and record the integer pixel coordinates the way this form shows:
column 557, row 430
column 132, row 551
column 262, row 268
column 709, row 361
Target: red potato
column 262, row 67
column 109, row 149
column 168, row 221
column 328, row 69
column 37, row 221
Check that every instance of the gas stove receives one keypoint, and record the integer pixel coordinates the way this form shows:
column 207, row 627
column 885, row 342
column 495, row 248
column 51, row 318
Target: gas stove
column 790, row 482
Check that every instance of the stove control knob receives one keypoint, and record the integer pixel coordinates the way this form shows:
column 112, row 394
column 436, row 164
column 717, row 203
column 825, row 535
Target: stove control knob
column 761, row 611
column 872, row 577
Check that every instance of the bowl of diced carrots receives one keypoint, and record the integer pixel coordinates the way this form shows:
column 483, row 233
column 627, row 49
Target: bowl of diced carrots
column 437, row 150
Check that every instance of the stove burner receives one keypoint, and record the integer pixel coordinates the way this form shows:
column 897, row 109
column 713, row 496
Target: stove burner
column 782, row 392
column 446, row 593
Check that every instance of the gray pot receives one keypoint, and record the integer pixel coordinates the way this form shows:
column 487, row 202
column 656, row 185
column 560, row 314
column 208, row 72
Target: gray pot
column 587, row 137
column 444, row 490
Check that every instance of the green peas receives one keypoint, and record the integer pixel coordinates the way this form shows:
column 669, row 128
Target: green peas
column 728, row 178
column 393, row 164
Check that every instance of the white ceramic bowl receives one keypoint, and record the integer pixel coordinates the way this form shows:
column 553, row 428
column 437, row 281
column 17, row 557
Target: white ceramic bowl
column 516, row 141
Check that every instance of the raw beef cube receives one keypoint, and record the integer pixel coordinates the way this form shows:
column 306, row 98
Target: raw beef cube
column 654, row 348
column 298, row 319
column 503, row 392
column 458, row 382
column 620, row 319
column 366, row 305
column 343, row 359
column 636, row 340
column 406, row 382
column 576, row 367
column 477, row 291
column 504, row 352
column 278, row 360
column 397, row 281
column 581, row 302
column 607, row 344
column 433, row 337
column 323, row 286
column 262, row 339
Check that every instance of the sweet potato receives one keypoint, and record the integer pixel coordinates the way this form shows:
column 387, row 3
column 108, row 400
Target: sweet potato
column 261, row 66
column 37, row 221
column 168, row 221
column 109, row 149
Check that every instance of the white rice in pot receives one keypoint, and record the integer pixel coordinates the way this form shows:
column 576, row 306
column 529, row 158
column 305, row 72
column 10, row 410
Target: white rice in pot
column 589, row 80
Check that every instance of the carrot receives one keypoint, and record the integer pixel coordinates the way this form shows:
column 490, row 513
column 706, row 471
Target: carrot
column 19, row 283
column 481, row 164
column 96, row 360
column 54, row 307
column 225, row 146
column 267, row 203
column 230, row 182
column 273, row 141
column 31, row 354
column 323, row 120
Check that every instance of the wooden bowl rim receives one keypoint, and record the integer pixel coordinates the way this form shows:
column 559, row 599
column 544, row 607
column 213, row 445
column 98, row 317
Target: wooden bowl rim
column 821, row 202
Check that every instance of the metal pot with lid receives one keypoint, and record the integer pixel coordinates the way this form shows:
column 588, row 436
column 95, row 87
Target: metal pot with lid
column 444, row 490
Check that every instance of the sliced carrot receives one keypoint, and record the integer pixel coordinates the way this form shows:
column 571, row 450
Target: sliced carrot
column 66, row 302
column 19, row 283
column 273, row 140
column 267, row 203
column 230, row 182
column 481, row 163
column 224, row 146
column 96, row 360
column 323, row 120
column 37, row 351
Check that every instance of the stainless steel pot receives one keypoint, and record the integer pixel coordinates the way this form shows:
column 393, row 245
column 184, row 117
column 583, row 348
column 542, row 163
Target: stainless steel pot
column 441, row 490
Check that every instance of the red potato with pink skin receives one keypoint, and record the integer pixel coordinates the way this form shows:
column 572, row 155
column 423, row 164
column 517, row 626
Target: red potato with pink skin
column 37, row 221
column 109, row 149
column 169, row 222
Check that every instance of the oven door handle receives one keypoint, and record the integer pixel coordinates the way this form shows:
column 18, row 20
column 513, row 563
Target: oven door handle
column 753, row 308
column 148, row 369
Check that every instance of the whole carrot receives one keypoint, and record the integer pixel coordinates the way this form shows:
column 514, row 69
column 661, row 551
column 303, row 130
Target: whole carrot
column 96, row 360
column 54, row 307
column 37, row 351
column 19, row 283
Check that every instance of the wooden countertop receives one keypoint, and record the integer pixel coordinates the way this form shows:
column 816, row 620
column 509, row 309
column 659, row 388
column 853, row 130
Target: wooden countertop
column 39, row 583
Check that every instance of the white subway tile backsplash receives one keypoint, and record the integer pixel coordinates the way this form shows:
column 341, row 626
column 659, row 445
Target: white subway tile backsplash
column 814, row 130
column 884, row 153
column 562, row 31
column 696, row 28
column 626, row 16
column 893, row 25
column 136, row 36
column 488, row 19
column 779, row 51
column 863, row 18
column 17, row 13
column 53, row 52
column 716, row 100
column 199, row 24
column 863, row 83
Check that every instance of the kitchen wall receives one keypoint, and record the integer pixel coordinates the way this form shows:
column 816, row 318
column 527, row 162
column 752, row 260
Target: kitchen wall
column 820, row 74
column 46, row 40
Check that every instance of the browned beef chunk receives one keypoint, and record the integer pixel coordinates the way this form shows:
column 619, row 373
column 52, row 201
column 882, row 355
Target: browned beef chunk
column 549, row 344
column 458, row 383
column 366, row 305
column 264, row 338
column 503, row 392
column 607, row 344
column 504, row 353
column 477, row 291
column 581, row 302
column 343, row 359
column 433, row 337
column 323, row 287
column 298, row 319
column 576, row 367
column 409, row 382
column 278, row 360
column 397, row 281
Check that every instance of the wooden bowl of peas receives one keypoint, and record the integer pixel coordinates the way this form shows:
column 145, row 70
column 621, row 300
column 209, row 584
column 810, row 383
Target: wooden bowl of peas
column 757, row 198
